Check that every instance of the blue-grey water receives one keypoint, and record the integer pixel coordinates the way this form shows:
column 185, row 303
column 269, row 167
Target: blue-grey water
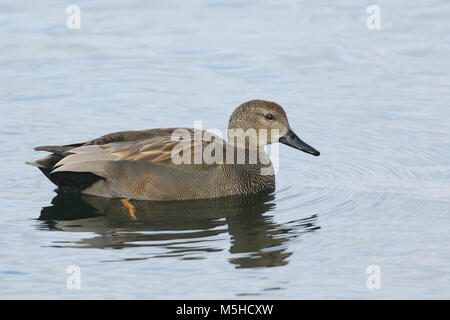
column 376, row 103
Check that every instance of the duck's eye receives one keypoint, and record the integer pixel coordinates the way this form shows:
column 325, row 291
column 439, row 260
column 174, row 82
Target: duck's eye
column 269, row 116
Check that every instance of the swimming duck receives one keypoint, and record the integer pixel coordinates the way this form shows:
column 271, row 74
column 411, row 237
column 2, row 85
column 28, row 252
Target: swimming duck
column 170, row 163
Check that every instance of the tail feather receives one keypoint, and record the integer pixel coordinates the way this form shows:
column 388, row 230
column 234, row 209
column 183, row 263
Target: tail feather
column 67, row 181
column 58, row 149
column 34, row 164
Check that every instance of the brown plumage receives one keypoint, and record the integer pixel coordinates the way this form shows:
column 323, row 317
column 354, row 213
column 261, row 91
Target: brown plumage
column 142, row 165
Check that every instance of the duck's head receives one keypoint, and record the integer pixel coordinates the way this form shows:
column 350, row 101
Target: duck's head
column 261, row 114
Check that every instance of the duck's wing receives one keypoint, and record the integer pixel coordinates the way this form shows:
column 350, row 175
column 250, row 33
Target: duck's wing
column 176, row 148
column 131, row 136
column 120, row 136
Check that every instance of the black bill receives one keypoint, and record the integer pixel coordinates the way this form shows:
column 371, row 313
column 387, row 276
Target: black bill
column 292, row 140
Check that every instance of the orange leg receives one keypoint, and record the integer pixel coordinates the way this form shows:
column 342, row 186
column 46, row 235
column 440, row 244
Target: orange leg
column 130, row 207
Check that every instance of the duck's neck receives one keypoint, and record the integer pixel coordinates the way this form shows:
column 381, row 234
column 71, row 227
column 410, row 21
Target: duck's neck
column 247, row 147
column 246, row 139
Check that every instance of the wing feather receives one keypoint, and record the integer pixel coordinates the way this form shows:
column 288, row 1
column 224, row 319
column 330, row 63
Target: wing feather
column 156, row 149
column 97, row 167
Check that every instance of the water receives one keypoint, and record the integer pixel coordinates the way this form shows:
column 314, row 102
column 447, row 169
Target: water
column 374, row 102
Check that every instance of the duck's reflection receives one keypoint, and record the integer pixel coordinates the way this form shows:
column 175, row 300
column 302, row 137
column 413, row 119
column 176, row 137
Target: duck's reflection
column 185, row 229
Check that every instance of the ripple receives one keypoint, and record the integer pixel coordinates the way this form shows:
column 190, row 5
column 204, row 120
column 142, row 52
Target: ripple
column 366, row 168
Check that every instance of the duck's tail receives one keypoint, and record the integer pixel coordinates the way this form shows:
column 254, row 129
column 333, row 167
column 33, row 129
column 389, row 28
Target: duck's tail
column 65, row 180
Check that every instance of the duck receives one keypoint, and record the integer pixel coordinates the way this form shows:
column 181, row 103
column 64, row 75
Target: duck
column 176, row 163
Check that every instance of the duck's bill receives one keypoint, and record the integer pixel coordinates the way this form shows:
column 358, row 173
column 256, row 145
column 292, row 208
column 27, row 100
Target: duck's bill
column 292, row 140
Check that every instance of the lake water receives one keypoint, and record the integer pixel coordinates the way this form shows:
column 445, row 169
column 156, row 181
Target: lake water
column 374, row 102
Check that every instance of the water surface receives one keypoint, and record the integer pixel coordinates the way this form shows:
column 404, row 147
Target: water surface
column 374, row 102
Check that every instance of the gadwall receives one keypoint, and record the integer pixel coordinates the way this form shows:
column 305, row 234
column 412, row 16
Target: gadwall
column 167, row 164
